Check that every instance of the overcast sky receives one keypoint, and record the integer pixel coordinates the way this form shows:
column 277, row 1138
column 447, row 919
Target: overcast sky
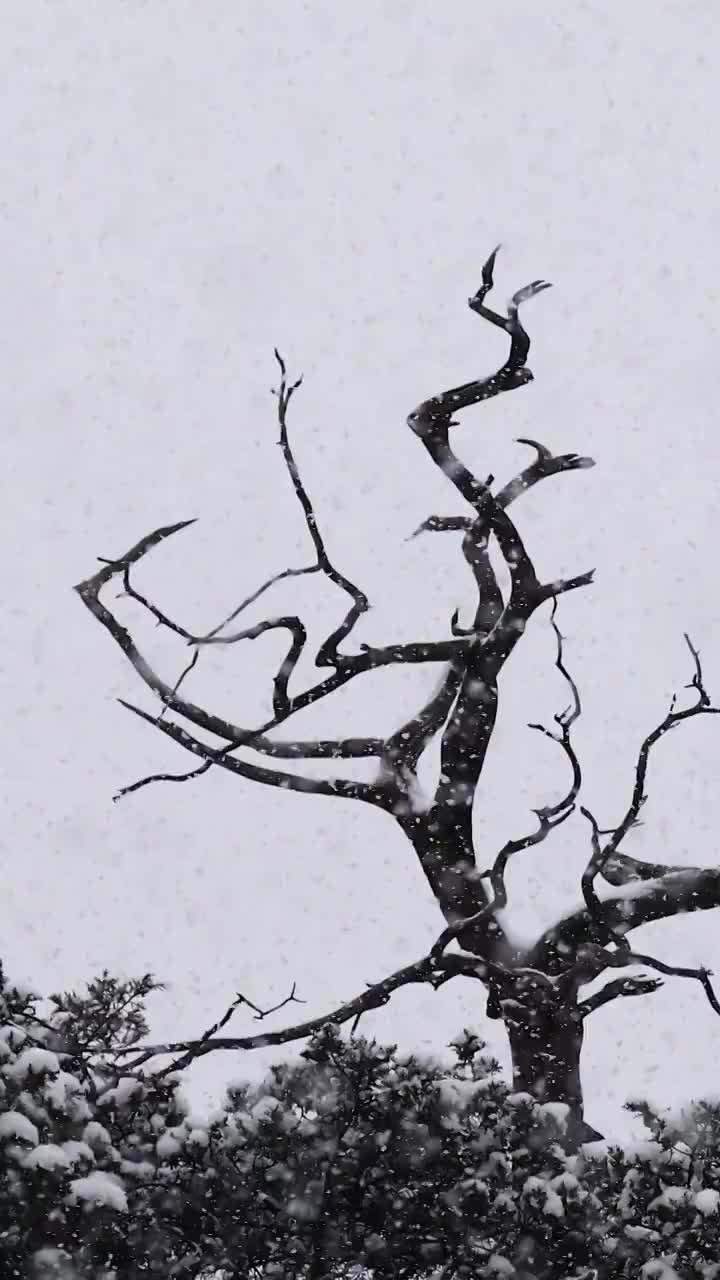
column 184, row 186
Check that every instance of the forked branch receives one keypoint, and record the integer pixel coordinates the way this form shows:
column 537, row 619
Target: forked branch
column 463, row 709
column 623, row 869
column 431, row 970
column 494, row 631
column 602, row 959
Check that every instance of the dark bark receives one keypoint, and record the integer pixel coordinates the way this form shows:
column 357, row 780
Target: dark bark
column 442, row 840
column 535, row 993
column 546, row 1041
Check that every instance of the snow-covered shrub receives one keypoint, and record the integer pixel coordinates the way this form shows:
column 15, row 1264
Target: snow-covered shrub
column 354, row 1161
column 77, row 1137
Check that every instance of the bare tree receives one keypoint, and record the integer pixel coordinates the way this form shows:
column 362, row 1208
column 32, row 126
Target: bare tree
column 535, row 991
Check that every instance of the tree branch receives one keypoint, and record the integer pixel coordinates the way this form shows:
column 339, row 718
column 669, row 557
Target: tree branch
column 342, row 787
column 642, row 903
column 548, row 817
column 328, row 650
column 513, row 372
column 639, row 986
column 620, row 959
column 602, row 853
column 468, row 734
column 701, row 706
column 402, row 751
column 434, row 972
column 546, row 464
column 285, row 706
column 281, row 698
column 466, row 701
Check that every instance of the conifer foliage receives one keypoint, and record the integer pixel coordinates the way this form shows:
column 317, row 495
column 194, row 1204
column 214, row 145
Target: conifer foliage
column 352, row 1161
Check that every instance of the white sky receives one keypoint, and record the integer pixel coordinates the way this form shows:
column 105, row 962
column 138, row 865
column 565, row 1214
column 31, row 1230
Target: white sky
column 185, row 185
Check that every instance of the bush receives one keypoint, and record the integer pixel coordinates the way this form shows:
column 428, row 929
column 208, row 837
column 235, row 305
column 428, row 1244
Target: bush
column 352, row 1161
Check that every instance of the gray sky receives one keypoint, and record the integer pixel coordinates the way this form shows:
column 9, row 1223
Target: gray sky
column 183, row 187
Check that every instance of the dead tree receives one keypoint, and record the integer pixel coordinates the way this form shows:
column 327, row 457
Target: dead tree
column 537, row 991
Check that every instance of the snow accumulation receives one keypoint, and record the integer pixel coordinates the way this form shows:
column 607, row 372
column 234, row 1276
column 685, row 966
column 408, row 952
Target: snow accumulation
column 64, row 1093
column 167, row 1146
column 76, row 1151
column 51, row 1155
column 12, row 1035
column 558, row 1111
column 659, row 1270
column 48, row 1156
column 520, row 1100
column 17, row 1126
column 198, row 1137
column 642, row 1149
column 122, row 1092
column 553, row 1205
column 35, row 1062
column 96, row 1135
column 670, row 1198
column 24, row 990
column 707, row 1201
column 500, row 1266
column 99, row 1188
column 459, row 1093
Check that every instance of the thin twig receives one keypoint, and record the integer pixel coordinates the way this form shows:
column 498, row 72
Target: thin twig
column 601, row 853
column 426, row 970
column 162, row 777
column 328, row 650
column 207, row 1036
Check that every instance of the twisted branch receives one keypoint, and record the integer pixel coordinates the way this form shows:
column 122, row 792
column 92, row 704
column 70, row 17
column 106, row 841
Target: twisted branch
column 548, row 817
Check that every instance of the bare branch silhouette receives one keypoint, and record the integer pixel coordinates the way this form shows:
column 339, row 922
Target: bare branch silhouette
column 534, row 989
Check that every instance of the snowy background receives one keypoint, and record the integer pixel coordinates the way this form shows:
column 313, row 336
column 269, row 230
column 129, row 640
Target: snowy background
column 186, row 185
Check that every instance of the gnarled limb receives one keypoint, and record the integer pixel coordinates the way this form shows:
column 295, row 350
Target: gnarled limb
column 675, row 893
column 467, row 735
column 619, row 987
column 545, row 465
column 455, row 650
column 513, row 373
column 285, row 706
column 604, row 959
column 620, row 869
column 342, row 787
column 402, row 750
column 548, row 817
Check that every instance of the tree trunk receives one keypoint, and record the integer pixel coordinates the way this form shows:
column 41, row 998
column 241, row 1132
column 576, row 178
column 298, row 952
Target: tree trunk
column 546, row 1044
